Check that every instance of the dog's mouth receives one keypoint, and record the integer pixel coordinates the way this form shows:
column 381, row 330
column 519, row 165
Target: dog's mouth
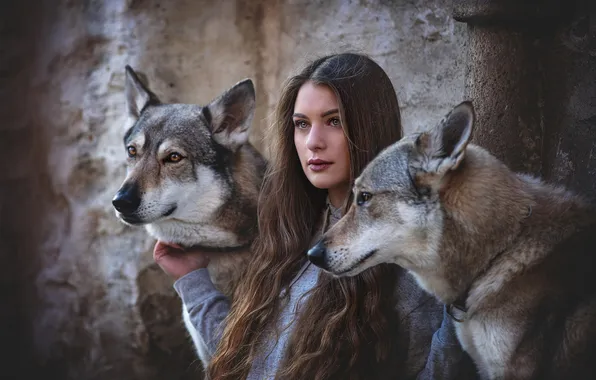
column 132, row 220
column 135, row 220
column 357, row 263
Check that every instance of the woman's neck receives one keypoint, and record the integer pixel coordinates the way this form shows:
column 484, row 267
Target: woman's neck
column 337, row 196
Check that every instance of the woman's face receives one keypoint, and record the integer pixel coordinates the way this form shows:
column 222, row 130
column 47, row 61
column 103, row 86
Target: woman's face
column 320, row 141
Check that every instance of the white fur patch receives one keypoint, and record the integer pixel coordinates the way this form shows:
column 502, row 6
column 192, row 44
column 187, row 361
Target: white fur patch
column 196, row 206
column 173, row 231
column 489, row 345
column 232, row 139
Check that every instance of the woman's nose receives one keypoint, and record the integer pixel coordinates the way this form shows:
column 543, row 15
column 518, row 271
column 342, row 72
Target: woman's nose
column 316, row 137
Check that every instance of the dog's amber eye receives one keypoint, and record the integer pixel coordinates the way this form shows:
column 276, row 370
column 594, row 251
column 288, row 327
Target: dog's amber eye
column 363, row 197
column 131, row 150
column 174, row 157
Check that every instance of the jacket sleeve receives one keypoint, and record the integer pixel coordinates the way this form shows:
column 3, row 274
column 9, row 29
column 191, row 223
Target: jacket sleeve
column 207, row 307
column 428, row 336
column 446, row 358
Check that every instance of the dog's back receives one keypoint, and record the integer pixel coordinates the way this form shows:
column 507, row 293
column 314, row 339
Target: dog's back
column 558, row 340
column 532, row 306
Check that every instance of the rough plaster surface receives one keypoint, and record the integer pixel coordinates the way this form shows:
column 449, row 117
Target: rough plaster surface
column 98, row 308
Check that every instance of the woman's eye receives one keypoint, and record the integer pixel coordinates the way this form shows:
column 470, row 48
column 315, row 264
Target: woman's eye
column 174, row 157
column 335, row 122
column 300, row 124
column 131, row 150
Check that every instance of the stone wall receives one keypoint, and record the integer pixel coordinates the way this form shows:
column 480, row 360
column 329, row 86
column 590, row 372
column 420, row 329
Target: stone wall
column 85, row 300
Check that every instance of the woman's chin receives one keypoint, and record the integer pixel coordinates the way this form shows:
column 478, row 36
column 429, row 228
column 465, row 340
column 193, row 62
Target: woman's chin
column 324, row 183
column 320, row 182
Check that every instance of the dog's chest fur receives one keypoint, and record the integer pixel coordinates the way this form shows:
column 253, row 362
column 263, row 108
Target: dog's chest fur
column 489, row 344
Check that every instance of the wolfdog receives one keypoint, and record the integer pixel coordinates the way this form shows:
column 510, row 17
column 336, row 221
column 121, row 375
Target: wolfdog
column 193, row 178
column 512, row 258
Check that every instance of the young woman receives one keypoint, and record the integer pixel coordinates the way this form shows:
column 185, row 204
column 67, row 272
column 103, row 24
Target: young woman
column 290, row 320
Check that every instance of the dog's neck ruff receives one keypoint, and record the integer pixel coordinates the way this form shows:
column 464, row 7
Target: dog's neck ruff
column 458, row 309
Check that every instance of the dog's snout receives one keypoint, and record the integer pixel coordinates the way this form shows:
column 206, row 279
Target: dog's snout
column 317, row 254
column 127, row 199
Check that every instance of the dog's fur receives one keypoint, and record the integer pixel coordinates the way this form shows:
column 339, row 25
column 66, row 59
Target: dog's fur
column 206, row 199
column 517, row 255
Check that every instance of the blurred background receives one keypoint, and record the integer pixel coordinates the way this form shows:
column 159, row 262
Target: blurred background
column 80, row 295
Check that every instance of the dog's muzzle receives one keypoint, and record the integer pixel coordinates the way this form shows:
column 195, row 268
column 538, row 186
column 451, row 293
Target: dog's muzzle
column 317, row 255
column 127, row 199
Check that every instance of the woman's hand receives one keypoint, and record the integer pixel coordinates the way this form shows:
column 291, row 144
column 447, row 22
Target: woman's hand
column 177, row 262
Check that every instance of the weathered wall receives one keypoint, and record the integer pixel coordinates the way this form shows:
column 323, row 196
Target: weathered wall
column 95, row 306
column 531, row 72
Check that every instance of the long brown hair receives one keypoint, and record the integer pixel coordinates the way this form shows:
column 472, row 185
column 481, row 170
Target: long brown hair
column 346, row 329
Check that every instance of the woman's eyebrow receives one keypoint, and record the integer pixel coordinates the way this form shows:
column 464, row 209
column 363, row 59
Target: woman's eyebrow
column 326, row 113
column 330, row 112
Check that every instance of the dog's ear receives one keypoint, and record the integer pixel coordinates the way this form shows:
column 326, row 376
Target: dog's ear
column 230, row 115
column 138, row 96
column 442, row 149
column 445, row 144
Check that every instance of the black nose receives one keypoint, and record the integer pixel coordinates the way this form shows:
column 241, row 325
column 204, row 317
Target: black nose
column 127, row 199
column 317, row 254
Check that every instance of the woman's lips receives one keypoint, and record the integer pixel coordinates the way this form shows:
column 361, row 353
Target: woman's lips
column 317, row 165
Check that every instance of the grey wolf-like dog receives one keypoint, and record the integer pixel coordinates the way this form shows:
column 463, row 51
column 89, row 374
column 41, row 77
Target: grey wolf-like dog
column 193, row 178
column 512, row 257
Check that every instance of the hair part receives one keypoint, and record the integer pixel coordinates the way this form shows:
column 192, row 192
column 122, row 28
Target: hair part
column 344, row 329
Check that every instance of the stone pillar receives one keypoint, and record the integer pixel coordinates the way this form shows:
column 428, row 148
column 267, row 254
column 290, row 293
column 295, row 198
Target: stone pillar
column 570, row 102
column 531, row 75
column 503, row 79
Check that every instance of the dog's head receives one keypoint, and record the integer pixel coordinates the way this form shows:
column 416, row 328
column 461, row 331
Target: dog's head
column 396, row 216
column 177, row 153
